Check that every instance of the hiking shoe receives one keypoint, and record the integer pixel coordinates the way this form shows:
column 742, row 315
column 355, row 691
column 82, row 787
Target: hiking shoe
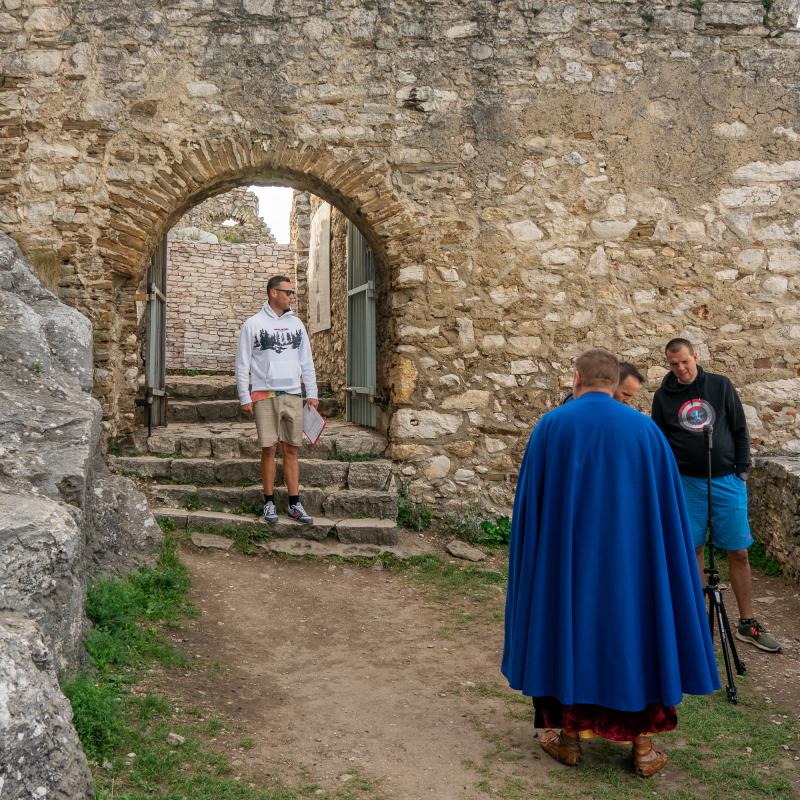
column 270, row 513
column 298, row 514
column 752, row 631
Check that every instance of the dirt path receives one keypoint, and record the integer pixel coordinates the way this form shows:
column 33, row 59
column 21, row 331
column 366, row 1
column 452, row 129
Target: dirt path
column 335, row 671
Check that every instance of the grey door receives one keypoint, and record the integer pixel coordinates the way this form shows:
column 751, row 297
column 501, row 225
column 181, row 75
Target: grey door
column 155, row 336
column 361, row 348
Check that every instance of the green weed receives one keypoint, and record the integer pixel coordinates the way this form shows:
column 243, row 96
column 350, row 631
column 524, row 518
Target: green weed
column 495, row 534
column 192, row 501
column 410, row 514
column 355, row 457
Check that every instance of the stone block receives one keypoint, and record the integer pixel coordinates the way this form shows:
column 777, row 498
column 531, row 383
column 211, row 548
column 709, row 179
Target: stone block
column 733, row 14
column 369, row 474
column 468, row 400
column 367, row 531
column 410, row 423
column 324, row 474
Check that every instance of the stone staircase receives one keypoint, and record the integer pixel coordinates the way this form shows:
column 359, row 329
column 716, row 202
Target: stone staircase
column 203, row 471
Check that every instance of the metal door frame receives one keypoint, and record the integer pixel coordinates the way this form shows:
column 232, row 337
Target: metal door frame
column 361, row 345
column 156, row 337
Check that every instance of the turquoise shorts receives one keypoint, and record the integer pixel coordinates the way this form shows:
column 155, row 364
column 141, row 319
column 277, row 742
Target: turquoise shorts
column 729, row 505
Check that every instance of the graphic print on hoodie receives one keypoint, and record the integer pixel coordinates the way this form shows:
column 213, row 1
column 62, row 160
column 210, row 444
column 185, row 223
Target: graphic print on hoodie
column 274, row 352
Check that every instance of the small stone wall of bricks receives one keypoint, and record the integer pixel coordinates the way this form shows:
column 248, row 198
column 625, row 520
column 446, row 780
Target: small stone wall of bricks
column 211, row 290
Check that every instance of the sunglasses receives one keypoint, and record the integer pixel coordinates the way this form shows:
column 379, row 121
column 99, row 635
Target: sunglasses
column 287, row 292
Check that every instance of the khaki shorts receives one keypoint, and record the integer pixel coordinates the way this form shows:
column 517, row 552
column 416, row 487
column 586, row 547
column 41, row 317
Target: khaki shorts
column 279, row 419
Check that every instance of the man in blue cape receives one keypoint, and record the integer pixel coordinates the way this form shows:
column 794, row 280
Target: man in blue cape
column 605, row 623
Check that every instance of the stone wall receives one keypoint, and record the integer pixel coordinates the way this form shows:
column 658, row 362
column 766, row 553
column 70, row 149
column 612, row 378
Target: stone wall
column 536, row 178
column 211, row 290
column 775, row 510
column 330, row 346
column 239, row 206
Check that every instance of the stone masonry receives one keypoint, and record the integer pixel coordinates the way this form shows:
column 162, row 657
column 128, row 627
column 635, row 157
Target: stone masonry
column 211, row 290
column 535, row 177
column 238, row 208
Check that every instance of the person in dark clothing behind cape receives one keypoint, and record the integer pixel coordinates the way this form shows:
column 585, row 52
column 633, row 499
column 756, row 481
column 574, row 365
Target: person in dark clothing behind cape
column 687, row 401
column 605, row 626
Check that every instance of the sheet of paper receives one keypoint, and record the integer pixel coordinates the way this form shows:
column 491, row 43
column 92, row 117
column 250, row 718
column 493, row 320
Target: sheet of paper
column 313, row 423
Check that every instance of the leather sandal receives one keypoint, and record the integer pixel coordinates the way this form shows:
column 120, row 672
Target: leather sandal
column 562, row 749
column 647, row 763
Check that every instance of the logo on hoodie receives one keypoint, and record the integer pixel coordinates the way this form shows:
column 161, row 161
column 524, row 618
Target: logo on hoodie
column 277, row 341
column 695, row 415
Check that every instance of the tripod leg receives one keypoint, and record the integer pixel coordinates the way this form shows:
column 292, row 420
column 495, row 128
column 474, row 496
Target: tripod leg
column 737, row 662
column 710, row 593
column 725, row 645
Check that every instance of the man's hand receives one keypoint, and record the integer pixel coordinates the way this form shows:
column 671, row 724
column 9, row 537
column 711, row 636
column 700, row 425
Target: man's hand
column 247, row 408
column 313, row 402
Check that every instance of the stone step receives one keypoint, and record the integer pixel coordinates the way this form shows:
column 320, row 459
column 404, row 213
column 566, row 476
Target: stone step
column 347, row 531
column 205, row 411
column 201, row 387
column 215, row 410
column 375, row 474
column 185, row 391
column 333, row 503
column 226, row 440
column 408, row 546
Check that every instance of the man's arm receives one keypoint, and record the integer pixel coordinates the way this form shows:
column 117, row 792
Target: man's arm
column 244, row 353
column 307, row 370
column 738, row 426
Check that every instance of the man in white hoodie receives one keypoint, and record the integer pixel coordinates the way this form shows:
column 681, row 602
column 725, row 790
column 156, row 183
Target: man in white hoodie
column 275, row 350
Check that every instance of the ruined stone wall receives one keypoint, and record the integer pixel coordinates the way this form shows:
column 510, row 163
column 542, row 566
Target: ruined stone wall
column 299, row 233
column 211, row 290
column 775, row 510
column 239, row 206
column 536, row 178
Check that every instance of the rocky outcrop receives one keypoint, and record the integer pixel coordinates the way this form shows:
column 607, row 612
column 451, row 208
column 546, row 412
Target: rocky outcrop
column 61, row 515
column 121, row 530
column 40, row 755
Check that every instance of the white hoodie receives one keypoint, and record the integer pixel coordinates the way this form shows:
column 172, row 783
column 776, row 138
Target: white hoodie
column 277, row 352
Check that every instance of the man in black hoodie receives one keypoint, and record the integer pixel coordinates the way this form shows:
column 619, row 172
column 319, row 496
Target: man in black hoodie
column 688, row 401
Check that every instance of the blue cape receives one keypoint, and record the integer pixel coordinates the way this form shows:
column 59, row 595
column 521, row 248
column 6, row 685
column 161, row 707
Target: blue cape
column 604, row 602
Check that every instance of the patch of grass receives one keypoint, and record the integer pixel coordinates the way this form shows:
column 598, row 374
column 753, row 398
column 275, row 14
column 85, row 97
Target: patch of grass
column 192, row 501
column 410, row 514
column 37, row 367
column 697, row 5
column 464, row 524
column 244, row 538
column 167, row 524
column 248, row 509
column 760, row 559
column 452, row 578
column 355, row 457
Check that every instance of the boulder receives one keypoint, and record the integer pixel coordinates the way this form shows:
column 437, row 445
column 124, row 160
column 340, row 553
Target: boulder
column 41, row 754
column 121, row 530
column 42, row 572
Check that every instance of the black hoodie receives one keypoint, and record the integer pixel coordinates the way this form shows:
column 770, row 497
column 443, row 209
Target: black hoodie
column 681, row 410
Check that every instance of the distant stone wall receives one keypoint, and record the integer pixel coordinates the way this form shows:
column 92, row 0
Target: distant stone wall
column 775, row 510
column 211, row 290
column 239, row 208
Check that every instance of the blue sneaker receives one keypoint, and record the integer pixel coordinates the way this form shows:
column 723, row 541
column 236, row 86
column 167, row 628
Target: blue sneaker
column 270, row 513
column 298, row 514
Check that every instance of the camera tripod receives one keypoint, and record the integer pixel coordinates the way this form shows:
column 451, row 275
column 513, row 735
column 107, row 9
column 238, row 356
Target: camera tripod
column 712, row 589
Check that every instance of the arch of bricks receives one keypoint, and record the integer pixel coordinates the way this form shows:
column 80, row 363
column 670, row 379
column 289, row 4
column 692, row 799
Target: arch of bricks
column 537, row 177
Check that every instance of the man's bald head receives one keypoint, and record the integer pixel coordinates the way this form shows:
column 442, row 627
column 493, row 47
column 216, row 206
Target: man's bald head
column 596, row 370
